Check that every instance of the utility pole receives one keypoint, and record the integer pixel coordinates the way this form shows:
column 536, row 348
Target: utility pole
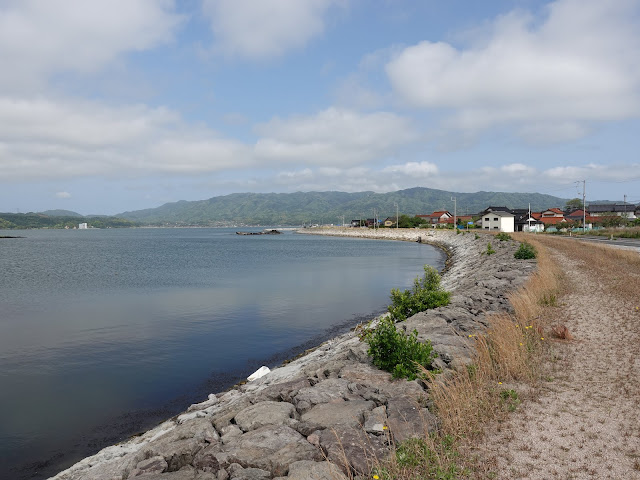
column 397, row 214
column 584, row 206
column 455, row 212
column 625, row 207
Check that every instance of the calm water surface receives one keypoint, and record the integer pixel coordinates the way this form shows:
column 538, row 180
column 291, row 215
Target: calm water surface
column 104, row 333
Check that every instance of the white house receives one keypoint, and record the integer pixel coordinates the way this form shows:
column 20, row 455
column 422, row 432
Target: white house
column 498, row 221
column 82, row 226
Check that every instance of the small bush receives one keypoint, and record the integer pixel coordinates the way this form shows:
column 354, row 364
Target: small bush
column 525, row 251
column 503, row 237
column 397, row 352
column 425, row 294
column 490, row 250
column 477, row 236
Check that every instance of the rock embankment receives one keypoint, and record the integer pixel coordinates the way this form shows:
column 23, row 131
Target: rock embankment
column 331, row 413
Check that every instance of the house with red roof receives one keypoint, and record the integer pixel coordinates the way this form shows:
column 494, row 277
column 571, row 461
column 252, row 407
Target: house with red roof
column 436, row 218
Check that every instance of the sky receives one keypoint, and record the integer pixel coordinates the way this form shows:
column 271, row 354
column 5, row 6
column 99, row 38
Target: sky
column 111, row 106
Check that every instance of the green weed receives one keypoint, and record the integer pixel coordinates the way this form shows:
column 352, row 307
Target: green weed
column 526, row 251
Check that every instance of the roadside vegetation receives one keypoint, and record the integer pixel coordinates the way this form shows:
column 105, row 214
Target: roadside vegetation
column 628, row 232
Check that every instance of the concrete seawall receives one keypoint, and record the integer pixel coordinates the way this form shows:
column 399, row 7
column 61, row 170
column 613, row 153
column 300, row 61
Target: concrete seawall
column 330, row 413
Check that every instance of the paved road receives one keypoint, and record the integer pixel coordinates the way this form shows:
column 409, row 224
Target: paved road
column 632, row 243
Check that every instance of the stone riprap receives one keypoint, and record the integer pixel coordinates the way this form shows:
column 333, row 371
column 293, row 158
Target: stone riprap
column 329, row 414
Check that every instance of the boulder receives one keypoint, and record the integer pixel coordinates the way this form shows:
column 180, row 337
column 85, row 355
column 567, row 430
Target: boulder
column 155, row 464
column 177, row 454
column 308, row 470
column 255, row 449
column 375, row 421
column 285, row 391
column 347, row 414
column 353, row 450
column 407, row 419
column 264, row 413
column 322, row 392
column 237, row 472
column 212, row 400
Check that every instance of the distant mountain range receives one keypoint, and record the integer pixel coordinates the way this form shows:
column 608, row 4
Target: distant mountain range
column 329, row 207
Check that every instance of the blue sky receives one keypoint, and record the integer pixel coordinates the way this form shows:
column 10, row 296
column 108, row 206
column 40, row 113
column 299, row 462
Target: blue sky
column 121, row 105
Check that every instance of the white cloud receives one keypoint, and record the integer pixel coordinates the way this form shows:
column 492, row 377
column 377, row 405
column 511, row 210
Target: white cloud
column 415, row 169
column 44, row 138
column 518, row 169
column 267, row 28
column 333, row 137
column 558, row 181
column 42, row 37
column 63, row 195
column 549, row 77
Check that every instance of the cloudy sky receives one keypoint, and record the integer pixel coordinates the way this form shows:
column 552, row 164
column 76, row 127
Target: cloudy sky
column 107, row 106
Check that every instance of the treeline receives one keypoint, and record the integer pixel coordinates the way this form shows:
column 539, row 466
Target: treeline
column 25, row 221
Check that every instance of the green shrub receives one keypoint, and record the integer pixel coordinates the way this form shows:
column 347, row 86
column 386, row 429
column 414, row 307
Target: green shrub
column 503, row 237
column 490, row 250
column 397, row 352
column 525, row 251
column 477, row 236
column 425, row 294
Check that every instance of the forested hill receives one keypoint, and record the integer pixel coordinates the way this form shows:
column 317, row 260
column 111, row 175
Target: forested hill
column 20, row 221
column 329, row 207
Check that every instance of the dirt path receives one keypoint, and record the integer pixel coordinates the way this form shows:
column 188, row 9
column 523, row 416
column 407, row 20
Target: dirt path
column 585, row 421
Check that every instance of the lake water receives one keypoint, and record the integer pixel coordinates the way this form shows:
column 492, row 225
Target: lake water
column 105, row 333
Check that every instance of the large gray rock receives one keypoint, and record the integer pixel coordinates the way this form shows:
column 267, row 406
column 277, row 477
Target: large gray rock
column 259, row 448
column 353, row 450
column 284, row 391
column 187, row 473
column 366, row 374
column 264, row 413
column 206, row 460
column 177, row 454
column 199, row 429
column 407, row 419
column 322, row 392
column 375, row 421
column 341, row 413
column 237, row 472
column 155, row 464
column 280, row 460
column 308, row 470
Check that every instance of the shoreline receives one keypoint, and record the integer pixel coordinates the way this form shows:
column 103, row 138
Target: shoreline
column 301, row 402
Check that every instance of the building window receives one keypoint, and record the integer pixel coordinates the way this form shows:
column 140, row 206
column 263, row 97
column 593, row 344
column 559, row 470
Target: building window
column 495, row 228
column 495, row 219
column 486, row 228
column 486, row 219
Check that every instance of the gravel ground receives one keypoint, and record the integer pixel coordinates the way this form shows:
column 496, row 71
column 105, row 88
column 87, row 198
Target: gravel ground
column 584, row 423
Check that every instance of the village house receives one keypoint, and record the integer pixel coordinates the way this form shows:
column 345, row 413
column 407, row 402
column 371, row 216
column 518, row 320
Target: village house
column 436, row 218
column 619, row 209
column 498, row 220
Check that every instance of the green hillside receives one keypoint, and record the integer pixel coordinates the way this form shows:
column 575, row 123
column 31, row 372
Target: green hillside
column 20, row 221
column 329, row 207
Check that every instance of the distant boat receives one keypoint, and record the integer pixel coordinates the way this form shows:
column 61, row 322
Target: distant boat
column 265, row 232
